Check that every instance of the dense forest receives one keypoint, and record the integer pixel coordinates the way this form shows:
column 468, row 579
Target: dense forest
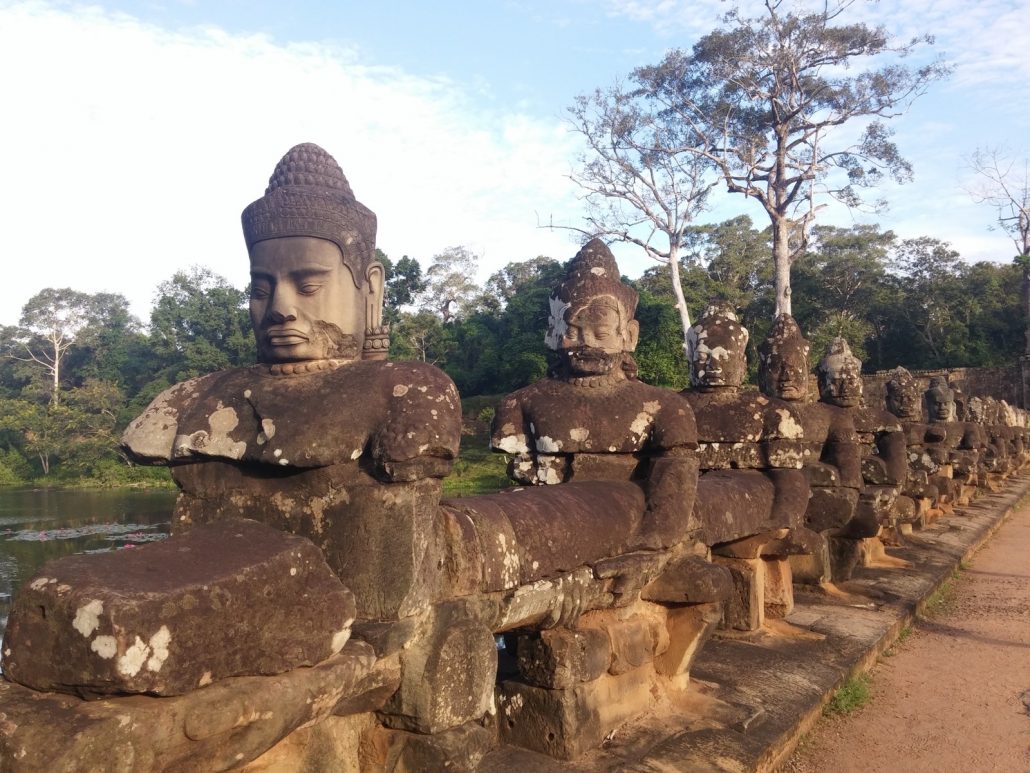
column 78, row 367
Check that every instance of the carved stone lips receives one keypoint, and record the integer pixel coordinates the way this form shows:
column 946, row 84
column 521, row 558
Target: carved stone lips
column 285, row 337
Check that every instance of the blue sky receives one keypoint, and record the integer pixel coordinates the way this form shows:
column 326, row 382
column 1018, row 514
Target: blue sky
column 135, row 132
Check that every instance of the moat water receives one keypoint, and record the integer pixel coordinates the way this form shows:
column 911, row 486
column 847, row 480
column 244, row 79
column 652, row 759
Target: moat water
column 37, row 525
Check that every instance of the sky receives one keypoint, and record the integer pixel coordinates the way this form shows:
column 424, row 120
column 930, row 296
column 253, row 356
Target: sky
column 134, row 133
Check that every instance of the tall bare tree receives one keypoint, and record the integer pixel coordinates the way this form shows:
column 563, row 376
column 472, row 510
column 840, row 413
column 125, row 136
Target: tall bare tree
column 764, row 98
column 644, row 184
column 1004, row 183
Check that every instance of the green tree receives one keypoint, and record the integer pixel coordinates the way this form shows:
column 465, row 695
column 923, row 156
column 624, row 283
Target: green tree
column 761, row 98
column 840, row 280
column 1004, row 184
column 51, row 322
column 200, row 324
column 451, row 289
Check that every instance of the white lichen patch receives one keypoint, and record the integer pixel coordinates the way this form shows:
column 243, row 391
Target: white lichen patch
column 132, row 661
column 246, row 394
column 87, row 617
column 159, row 646
column 579, row 434
column 267, row 431
column 42, row 582
column 556, row 324
column 400, row 390
column 105, row 646
column 341, row 637
column 205, row 679
column 513, row 444
column 293, row 571
column 789, row 427
column 355, row 454
column 641, row 422
column 548, row 445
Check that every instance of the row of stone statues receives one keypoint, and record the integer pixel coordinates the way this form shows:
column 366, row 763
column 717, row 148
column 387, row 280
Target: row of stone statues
column 319, row 606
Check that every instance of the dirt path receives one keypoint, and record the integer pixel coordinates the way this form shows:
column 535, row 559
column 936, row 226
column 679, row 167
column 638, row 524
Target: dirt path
column 955, row 695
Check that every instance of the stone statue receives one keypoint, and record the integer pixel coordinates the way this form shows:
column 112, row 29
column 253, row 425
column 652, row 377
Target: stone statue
column 832, row 453
column 594, row 419
column 752, row 494
column 611, row 469
column 322, row 438
column 918, row 500
column 882, row 448
column 952, row 445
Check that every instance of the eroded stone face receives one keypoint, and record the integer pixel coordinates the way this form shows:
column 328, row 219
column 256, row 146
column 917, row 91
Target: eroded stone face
column 596, row 336
column 903, row 397
column 783, row 361
column 840, row 376
column 717, row 346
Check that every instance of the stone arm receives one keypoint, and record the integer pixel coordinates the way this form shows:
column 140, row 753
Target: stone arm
column 782, row 438
column 422, row 431
column 671, row 482
column 891, row 452
column 509, row 434
column 843, row 450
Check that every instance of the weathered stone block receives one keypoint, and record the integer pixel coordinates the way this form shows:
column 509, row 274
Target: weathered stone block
column 689, row 628
column 689, row 580
column 561, row 658
column 448, row 674
column 460, row 750
column 745, row 609
column 845, row 555
column 732, row 504
column 228, row 599
column 779, row 587
column 567, row 723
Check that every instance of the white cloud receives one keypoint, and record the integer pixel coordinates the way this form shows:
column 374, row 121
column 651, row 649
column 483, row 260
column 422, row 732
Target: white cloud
column 131, row 150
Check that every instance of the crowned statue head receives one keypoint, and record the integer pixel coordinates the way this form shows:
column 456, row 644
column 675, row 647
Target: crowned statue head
column 717, row 344
column 591, row 324
column 903, row 399
column 840, row 376
column 316, row 286
column 783, row 361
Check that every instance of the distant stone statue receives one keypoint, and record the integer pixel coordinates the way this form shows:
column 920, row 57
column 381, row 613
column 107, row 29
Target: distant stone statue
column 917, row 503
column 882, row 449
column 323, row 438
column 952, row 445
column 832, row 454
column 752, row 495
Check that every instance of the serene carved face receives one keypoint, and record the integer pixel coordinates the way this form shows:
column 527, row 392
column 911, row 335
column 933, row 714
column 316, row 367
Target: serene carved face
column 595, row 337
column 304, row 303
column 940, row 404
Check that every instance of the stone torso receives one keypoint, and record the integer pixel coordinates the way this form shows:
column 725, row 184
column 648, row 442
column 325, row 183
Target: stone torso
column 745, row 430
column 549, row 424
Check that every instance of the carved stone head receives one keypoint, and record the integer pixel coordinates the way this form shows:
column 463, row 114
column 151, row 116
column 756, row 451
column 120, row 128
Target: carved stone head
column 961, row 402
column 975, row 410
column 940, row 400
column 718, row 344
column 903, row 395
column 991, row 410
column 316, row 287
column 591, row 323
column 840, row 376
column 783, row 361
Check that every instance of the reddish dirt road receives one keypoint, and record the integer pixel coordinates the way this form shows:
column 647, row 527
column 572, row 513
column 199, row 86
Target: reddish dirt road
column 955, row 695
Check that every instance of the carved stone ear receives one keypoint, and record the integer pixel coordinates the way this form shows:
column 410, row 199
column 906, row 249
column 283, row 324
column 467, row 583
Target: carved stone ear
column 375, row 289
column 632, row 335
